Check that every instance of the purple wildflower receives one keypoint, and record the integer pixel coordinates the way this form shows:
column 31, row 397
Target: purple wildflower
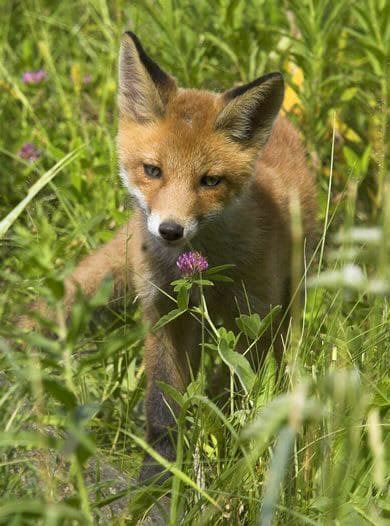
column 87, row 79
column 191, row 262
column 29, row 152
column 34, row 77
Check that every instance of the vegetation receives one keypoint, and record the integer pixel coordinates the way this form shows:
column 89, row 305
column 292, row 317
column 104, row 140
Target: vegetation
column 306, row 446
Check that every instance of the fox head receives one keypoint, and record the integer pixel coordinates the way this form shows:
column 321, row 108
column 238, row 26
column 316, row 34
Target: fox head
column 186, row 155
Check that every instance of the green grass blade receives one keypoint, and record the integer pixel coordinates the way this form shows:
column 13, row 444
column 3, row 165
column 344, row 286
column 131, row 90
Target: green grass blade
column 9, row 220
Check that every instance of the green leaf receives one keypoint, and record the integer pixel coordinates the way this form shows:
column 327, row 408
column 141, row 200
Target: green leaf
column 204, row 282
column 220, row 277
column 249, row 325
column 60, row 392
column 252, row 325
column 103, row 293
column 30, row 439
column 277, row 471
column 183, row 298
column 80, row 316
column 216, row 270
column 8, row 221
column 38, row 340
column 236, row 361
column 349, row 94
column 171, row 392
column 56, row 287
column 172, row 468
column 16, row 508
column 225, row 48
column 180, row 283
column 268, row 420
column 172, row 315
column 79, row 441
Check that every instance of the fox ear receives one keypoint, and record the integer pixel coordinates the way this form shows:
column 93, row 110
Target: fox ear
column 249, row 111
column 144, row 88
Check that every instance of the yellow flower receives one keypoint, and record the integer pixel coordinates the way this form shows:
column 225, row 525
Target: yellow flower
column 291, row 97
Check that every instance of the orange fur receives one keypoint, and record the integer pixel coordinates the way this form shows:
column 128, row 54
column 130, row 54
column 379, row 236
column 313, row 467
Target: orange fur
column 244, row 220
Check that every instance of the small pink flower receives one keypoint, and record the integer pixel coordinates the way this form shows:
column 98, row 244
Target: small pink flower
column 190, row 263
column 29, row 152
column 87, row 79
column 34, row 77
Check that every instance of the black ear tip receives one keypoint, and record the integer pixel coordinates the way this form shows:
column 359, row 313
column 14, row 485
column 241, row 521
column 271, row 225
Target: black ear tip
column 275, row 81
column 136, row 41
column 275, row 75
column 272, row 80
column 130, row 34
column 134, row 38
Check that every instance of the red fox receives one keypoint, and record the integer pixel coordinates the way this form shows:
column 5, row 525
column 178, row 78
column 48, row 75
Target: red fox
column 214, row 172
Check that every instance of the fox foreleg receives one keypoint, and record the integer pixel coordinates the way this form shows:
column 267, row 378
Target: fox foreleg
column 172, row 358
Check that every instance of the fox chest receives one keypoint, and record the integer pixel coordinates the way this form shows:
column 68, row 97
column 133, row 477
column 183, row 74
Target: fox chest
column 225, row 301
column 254, row 287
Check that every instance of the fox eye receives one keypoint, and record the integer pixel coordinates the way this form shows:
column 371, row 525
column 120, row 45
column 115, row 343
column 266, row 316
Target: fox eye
column 152, row 171
column 210, row 180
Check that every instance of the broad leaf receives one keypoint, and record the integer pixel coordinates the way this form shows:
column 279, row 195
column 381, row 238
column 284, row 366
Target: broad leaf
column 183, row 298
column 236, row 361
column 253, row 326
column 172, row 315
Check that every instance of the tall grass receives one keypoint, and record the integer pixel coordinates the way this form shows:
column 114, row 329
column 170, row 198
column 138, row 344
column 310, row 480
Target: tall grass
column 303, row 445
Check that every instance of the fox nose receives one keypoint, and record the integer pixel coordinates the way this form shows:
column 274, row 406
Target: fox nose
column 171, row 231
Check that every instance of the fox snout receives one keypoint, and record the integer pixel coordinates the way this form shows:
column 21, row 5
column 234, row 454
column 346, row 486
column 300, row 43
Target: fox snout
column 171, row 230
